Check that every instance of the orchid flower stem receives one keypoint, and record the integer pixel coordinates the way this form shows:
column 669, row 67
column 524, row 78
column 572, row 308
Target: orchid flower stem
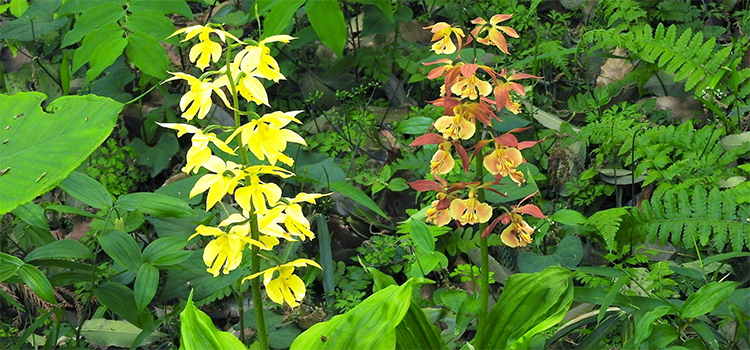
column 260, row 320
column 484, row 278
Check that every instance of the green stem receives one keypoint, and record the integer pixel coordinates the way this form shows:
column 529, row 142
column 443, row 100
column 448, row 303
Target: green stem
column 239, row 298
column 260, row 320
column 484, row 277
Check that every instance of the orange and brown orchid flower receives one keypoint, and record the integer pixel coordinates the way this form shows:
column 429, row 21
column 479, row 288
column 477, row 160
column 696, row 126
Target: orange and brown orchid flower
column 494, row 35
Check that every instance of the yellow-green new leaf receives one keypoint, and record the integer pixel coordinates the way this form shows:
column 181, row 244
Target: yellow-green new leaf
column 197, row 331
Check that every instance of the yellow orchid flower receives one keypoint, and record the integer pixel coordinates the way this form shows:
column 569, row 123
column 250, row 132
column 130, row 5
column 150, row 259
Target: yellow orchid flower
column 503, row 161
column 225, row 178
column 265, row 137
column 199, row 96
column 471, row 87
column 248, row 85
column 223, row 251
column 259, row 57
column 438, row 217
column 206, row 50
column 240, row 224
column 470, row 211
column 518, row 233
column 455, row 127
column 257, row 193
column 199, row 153
column 441, row 33
column 442, row 161
column 287, row 287
column 294, row 220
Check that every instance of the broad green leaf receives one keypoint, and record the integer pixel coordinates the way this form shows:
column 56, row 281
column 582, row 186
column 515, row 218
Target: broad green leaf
column 706, row 299
column 708, row 334
column 87, row 190
column 116, row 333
column 107, row 33
column 384, row 6
column 152, row 23
column 64, row 248
column 369, row 325
column 164, row 7
column 104, row 56
column 193, row 277
column 166, row 251
column 146, row 282
column 18, row 7
column 568, row 217
column 37, row 282
column 529, row 304
column 611, row 293
column 91, row 19
column 79, row 6
column 280, row 17
column 38, row 19
column 155, row 204
column 197, row 331
column 122, row 248
column 414, row 126
column 66, row 209
column 32, row 214
column 416, row 332
column 357, row 195
column 327, row 20
column 121, row 300
column 645, row 325
column 43, row 148
column 157, row 158
column 9, row 266
column 147, row 54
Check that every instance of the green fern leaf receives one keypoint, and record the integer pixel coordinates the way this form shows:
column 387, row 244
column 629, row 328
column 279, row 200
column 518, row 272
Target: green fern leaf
column 607, row 223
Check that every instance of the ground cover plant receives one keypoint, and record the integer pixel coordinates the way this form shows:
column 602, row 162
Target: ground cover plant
column 367, row 174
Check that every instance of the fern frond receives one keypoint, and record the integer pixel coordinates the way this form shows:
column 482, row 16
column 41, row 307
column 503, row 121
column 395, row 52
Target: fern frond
column 607, row 223
column 704, row 219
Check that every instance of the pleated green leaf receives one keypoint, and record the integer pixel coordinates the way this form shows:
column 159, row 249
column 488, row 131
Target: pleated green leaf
column 370, row 325
column 707, row 298
column 155, row 204
column 37, row 282
column 530, row 304
column 122, row 248
column 64, row 248
column 197, row 331
column 146, row 283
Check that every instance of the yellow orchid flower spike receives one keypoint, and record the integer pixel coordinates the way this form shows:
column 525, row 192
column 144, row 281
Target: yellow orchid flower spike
column 287, row 287
column 248, row 85
column 206, row 50
column 199, row 96
column 199, row 153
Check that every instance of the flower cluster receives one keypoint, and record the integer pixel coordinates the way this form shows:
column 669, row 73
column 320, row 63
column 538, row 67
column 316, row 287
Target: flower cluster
column 470, row 97
column 262, row 207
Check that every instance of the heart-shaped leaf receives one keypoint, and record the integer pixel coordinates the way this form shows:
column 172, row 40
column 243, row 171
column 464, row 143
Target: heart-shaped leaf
column 39, row 149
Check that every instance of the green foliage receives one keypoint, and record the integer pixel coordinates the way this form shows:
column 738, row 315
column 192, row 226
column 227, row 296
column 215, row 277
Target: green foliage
column 467, row 273
column 384, row 252
column 115, row 167
column 606, row 223
column 708, row 219
column 40, row 148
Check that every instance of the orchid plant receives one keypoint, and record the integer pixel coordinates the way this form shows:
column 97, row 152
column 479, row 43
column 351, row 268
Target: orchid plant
column 264, row 216
column 471, row 96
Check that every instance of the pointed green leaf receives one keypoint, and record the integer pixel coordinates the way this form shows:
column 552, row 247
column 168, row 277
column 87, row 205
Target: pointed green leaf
column 146, row 282
column 64, row 248
column 416, row 332
column 37, row 282
column 369, row 325
column 121, row 300
column 706, row 299
column 90, row 20
column 280, row 17
column 357, row 195
column 9, row 266
column 122, row 248
column 155, row 204
column 197, row 331
column 147, row 54
column 327, row 20
column 529, row 304
column 87, row 190
column 43, row 148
